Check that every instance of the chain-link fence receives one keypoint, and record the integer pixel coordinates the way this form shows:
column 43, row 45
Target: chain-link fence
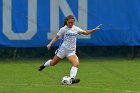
column 82, row 52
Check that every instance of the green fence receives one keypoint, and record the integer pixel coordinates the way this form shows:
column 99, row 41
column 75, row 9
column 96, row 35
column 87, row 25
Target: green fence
column 82, row 52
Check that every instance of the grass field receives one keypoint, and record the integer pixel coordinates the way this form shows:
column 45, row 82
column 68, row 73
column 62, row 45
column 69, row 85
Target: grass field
column 97, row 76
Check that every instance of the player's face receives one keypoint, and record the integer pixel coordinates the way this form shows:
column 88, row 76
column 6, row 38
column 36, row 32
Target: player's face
column 70, row 23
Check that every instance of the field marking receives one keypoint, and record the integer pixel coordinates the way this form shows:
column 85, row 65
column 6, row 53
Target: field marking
column 91, row 88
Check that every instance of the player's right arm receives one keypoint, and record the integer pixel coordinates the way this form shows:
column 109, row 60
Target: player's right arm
column 59, row 34
column 53, row 41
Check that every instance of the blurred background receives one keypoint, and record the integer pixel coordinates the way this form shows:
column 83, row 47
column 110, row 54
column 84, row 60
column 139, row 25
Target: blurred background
column 27, row 26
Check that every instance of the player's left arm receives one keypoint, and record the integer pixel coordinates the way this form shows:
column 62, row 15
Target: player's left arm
column 87, row 32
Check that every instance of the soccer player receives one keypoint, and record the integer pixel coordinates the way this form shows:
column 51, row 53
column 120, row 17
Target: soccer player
column 67, row 48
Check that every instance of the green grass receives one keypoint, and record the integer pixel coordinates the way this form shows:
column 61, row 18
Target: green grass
column 97, row 76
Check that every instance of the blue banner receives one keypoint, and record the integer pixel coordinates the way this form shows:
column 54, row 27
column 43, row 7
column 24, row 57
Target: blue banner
column 33, row 23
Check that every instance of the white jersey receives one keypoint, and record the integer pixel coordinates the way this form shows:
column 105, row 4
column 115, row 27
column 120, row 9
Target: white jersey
column 69, row 36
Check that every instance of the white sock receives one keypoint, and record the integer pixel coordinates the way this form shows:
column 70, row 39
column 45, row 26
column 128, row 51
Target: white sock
column 47, row 63
column 73, row 72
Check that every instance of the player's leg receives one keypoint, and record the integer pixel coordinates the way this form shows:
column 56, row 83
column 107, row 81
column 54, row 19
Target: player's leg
column 75, row 64
column 74, row 60
column 50, row 62
column 59, row 54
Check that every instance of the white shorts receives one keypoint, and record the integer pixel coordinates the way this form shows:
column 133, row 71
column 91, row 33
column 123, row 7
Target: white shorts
column 62, row 52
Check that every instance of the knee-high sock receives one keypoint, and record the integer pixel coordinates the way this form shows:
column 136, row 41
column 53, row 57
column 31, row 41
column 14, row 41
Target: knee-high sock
column 47, row 63
column 73, row 72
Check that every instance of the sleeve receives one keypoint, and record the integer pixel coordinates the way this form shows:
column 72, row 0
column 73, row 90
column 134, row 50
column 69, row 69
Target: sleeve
column 61, row 32
column 79, row 30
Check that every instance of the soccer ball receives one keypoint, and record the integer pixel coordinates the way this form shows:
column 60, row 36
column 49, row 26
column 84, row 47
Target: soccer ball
column 66, row 80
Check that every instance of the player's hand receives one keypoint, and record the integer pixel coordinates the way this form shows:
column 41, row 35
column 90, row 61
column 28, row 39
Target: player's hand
column 98, row 27
column 49, row 46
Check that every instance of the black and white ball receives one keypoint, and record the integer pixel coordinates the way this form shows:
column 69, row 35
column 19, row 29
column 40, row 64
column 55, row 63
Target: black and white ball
column 66, row 80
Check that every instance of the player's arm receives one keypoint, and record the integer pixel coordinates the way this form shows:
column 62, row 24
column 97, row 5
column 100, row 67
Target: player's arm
column 53, row 41
column 59, row 34
column 87, row 32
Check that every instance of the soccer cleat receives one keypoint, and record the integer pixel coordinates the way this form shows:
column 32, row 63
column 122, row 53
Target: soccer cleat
column 74, row 81
column 41, row 67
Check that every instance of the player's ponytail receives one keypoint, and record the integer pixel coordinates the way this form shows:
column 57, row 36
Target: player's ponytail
column 65, row 22
column 67, row 18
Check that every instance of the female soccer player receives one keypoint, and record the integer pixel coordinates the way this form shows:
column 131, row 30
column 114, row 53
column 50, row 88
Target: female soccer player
column 68, row 46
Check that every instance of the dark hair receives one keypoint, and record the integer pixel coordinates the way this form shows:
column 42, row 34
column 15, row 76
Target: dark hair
column 67, row 18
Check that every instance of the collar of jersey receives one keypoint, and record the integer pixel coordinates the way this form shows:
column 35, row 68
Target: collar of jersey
column 68, row 27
